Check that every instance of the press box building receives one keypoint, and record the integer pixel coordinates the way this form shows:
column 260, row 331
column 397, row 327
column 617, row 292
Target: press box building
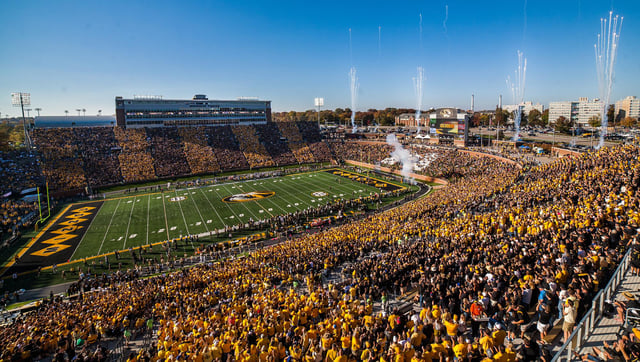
column 200, row 111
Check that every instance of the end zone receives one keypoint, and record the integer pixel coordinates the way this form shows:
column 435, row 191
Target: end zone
column 56, row 243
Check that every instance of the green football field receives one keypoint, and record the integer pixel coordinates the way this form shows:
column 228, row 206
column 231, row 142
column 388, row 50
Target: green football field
column 126, row 222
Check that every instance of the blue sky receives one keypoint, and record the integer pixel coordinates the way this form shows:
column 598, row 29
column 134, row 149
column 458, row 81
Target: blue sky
column 81, row 54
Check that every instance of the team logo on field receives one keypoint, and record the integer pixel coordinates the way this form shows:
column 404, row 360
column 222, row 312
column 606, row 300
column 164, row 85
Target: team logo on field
column 249, row 196
column 178, row 198
column 319, row 194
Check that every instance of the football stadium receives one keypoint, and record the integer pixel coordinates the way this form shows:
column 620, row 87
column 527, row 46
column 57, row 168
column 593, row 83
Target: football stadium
column 233, row 241
column 248, row 226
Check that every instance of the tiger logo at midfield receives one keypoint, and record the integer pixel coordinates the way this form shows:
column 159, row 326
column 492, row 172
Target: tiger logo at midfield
column 248, row 196
column 319, row 194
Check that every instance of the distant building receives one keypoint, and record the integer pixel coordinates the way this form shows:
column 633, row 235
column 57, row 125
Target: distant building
column 73, row 121
column 588, row 109
column 628, row 107
column 409, row 119
column 158, row 112
column 579, row 112
column 526, row 107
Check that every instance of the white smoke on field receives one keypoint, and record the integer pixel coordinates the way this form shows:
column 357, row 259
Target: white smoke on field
column 402, row 155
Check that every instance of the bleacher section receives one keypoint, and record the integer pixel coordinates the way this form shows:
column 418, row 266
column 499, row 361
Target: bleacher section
column 197, row 150
column 136, row 163
column 99, row 149
column 74, row 158
column 61, row 164
column 275, row 145
column 226, row 149
column 253, row 150
column 297, row 145
column 167, row 152
column 311, row 135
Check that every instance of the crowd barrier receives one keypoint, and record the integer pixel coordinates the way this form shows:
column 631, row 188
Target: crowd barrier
column 584, row 329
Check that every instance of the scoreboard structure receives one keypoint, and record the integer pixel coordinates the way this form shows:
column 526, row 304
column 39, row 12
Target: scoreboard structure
column 449, row 125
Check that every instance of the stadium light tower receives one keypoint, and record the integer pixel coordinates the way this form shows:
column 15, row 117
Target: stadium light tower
column 38, row 109
column 66, row 113
column 99, row 112
column 20, row 99
column 319, row 102
column 84, row 112
column 27, row 110
column 78, row 110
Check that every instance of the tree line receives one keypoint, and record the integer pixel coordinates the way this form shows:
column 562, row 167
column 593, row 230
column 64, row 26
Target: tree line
column 382, row 117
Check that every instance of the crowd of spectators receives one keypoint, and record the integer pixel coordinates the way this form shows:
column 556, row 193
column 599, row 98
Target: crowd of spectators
column 136, row 163
column 480, row 254
column 311, row 134
column 250, row 145
column 19, row 171
column 167, row 152
column 227, row 149
column 74, row 158
column 99, row 149
column 61, row 159
column 197, row 150
column 368, row 152
column 300, row 149
column 270, row 137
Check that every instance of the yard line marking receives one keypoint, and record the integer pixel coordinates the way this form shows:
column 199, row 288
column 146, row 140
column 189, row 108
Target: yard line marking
column 108, row 226
column 183, row 218
column 199, row 213
column 148, row 207
column 269, row 199
column 337, row 186
column 166, row 223
column 229, row 207
column 126, row 235
column 292, row 194
column 214, row 209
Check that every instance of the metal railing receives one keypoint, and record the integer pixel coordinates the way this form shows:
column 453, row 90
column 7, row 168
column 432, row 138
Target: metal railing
column 593, row 315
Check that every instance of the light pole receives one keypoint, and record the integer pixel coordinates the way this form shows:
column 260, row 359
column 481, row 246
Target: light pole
column 319, row 102
column 66, row 113
column 38, row 110
column 20, row 99
column 78, row 110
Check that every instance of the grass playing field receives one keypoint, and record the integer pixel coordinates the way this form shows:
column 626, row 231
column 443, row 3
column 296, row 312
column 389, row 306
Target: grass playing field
column 126, row 222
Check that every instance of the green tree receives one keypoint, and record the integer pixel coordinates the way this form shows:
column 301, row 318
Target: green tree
column 628, row 122
column 545, row 117
column 484, row 119
column 535, row 118
column 594, row 121
column 501, row 117
column 563, row 125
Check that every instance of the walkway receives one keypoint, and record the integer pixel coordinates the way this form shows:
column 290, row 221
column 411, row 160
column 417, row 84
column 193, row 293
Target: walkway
column 607, row 329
